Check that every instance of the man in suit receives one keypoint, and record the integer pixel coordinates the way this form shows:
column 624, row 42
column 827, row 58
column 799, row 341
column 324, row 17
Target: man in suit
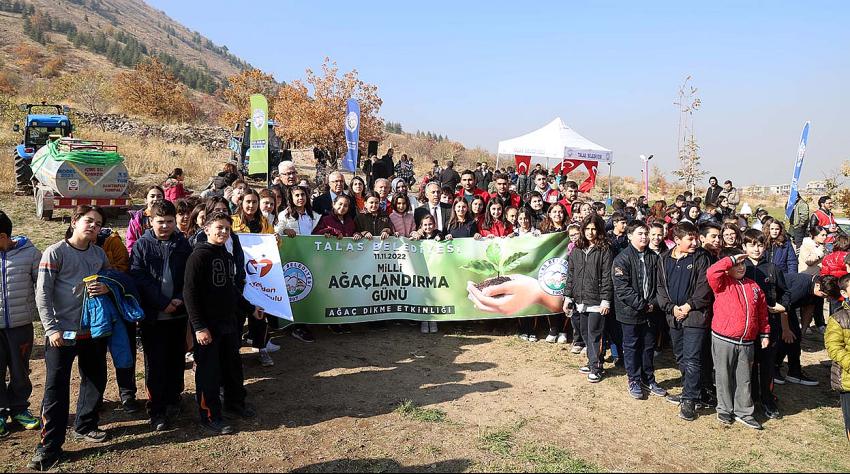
column 323, row 204
column 441, row 212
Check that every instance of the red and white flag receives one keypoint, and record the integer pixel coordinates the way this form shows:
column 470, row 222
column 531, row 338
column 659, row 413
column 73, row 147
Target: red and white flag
column 523, row 163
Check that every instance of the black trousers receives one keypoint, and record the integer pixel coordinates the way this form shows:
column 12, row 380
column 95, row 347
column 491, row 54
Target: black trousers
column 15, row 352
column 845, row 409
column 258, row 331
column 688, row 347
column 59, row 361
column 126, row 378
column 791, row 351
column 526, row 325
column 765, row 364
column 592, row 326
column 164, row 343
column 557, row 323
column 219, row 367
column 639, row 351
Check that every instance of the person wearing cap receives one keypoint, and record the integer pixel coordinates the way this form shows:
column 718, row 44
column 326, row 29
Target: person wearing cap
column 744, row 217
column 761, row 215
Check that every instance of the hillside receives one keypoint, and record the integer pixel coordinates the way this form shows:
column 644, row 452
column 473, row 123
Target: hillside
column 73, row 35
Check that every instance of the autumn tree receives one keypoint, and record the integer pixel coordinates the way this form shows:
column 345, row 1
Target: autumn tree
column 317, row 118
column 91, row 89
column 150, row 90
column 237, row 94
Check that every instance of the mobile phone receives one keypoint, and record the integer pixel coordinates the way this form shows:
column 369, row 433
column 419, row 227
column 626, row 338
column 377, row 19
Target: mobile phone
column 69, row 338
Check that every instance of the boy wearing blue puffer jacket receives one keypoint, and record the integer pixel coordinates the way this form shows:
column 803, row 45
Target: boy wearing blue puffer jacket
column 19, row 273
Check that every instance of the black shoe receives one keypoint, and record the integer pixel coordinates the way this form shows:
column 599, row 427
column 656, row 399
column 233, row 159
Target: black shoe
column 336, row 329
column 173, row 411
column 245, row 412
column 688, row 410
column 94, row 436
column 44, row 461
column 159, row 424
column 707, row 400
column 131, row 406
column 725, row 419
column 618, row 362
column 303, row 334
column 749, row 422
column 674, row 399
column 771, row 411
column 218, row 427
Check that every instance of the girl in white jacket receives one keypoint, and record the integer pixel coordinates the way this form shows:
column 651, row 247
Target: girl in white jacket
column 812, row 251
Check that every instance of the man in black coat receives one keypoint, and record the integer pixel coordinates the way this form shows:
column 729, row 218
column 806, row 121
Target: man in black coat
column 441, row 212
column 449, row 177
column 713, row 192
column 323, row 204
column 634, row 274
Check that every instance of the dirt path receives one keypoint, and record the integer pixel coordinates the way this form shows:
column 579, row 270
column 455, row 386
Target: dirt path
column 501, row 404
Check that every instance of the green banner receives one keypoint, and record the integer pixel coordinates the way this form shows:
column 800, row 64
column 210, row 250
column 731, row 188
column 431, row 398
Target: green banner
column 334, row 281
column 259, row 146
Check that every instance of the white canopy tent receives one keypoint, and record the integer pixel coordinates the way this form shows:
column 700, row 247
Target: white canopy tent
column 553, row 144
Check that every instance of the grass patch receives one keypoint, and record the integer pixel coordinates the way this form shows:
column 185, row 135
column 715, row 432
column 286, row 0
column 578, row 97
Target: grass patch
column 501, row 441
column 542, row 458
column 409, row 410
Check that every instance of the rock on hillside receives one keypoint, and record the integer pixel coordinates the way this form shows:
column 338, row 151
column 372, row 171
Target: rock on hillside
column 210, row 138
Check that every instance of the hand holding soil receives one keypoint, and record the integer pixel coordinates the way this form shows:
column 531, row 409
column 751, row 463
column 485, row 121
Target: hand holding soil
column 512, row 294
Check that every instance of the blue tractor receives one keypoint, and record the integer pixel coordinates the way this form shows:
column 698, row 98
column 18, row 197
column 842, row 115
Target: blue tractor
column 43, row 121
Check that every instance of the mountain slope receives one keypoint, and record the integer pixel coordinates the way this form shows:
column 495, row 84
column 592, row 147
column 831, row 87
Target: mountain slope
column 111, row 34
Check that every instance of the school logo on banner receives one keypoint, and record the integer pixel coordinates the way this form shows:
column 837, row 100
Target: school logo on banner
column 553, row 276
column 299, row 281
column 351, row 121
column 259, row 118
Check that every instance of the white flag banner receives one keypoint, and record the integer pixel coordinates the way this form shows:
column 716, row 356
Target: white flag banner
column 265, row 284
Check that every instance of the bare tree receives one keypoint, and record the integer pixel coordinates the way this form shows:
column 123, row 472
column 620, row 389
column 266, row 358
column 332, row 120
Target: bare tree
column 686, row 143
column 92, row 89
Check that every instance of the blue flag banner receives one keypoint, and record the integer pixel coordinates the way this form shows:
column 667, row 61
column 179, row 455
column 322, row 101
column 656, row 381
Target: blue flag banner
column 798, row 167
column 352, row 135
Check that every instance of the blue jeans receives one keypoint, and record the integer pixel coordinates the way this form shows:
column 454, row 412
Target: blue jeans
column 687, row 346
column 639, row 351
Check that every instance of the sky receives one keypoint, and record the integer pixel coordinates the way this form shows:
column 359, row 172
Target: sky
column 480, row 72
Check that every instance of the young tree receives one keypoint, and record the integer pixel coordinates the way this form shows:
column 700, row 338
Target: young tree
column 92, row 89
column 317, row 118
column 688, row 148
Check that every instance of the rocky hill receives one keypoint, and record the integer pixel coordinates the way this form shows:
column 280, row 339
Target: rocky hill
column 72, row 35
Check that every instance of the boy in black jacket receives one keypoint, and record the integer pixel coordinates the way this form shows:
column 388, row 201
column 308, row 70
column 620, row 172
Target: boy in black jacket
column 158, row 263
column 772, row 282
column 213, row 296
column 685, row 297
column 635, row 302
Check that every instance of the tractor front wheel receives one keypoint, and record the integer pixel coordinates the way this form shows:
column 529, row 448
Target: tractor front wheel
column 23, row 176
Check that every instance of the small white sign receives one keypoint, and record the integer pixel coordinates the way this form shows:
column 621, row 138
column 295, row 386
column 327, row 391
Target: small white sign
column 73, row 185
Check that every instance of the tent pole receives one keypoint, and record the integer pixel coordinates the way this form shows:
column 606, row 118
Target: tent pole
column 610, row 166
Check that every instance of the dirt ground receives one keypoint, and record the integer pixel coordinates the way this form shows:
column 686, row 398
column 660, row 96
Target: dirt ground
column 471, row 398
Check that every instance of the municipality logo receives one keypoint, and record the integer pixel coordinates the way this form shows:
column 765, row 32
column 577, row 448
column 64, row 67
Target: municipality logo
column 351, row 122
column 553, row 276
column 259, row 118
column 299, row 281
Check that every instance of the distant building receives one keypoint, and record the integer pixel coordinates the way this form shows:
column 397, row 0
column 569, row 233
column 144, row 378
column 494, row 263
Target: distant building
column 779, row 189
column 817, row 187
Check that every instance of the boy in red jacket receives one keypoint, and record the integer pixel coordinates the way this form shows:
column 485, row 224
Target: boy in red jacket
column 740, row 317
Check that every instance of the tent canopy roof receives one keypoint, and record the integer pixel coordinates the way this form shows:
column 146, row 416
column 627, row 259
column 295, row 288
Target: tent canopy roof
column 555, row 141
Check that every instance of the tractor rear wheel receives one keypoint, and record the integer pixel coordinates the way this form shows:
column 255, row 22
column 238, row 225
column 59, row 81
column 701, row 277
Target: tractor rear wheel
column 23, row 176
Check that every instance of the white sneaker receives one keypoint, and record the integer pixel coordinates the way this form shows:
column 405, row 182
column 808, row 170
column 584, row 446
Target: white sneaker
column 189, row 357
column 523, row 337
column 272, row 347
column 551, row 339
column 576, row 349
column 432, row 326
column 423, row 328
column 532, row 338
column 562, row 338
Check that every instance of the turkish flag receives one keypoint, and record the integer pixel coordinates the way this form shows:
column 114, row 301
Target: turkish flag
column 566, row 167
column 590, row 182
column 523, row 164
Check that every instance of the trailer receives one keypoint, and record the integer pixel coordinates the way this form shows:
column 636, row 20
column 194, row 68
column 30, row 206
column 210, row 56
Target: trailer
column 68, row 172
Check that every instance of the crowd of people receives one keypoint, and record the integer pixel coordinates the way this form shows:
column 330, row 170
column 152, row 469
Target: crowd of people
column 732, row 292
